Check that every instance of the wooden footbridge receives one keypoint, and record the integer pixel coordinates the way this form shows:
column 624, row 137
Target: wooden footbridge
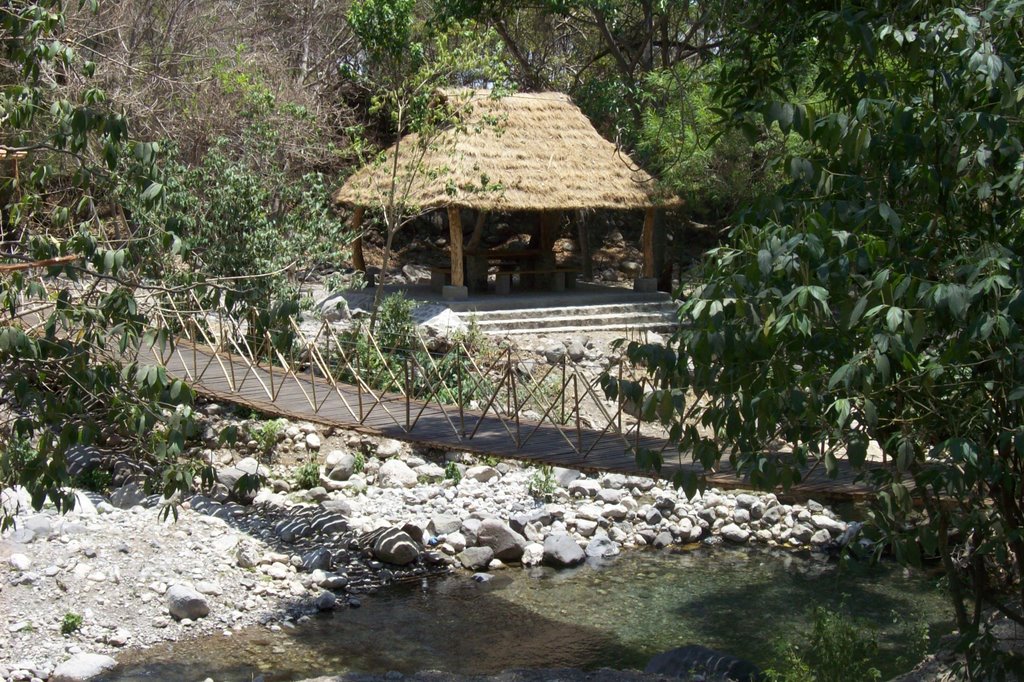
column 489, row 403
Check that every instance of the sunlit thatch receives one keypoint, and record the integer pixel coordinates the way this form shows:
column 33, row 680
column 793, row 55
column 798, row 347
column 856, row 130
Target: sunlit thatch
column 524, row 152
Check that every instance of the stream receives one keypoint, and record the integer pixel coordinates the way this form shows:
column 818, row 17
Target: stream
column 616, row 614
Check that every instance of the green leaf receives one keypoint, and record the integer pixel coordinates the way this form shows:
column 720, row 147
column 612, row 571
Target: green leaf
column 857, row 449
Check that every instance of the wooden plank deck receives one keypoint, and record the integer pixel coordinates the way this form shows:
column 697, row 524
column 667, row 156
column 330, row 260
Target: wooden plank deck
column 229, row 378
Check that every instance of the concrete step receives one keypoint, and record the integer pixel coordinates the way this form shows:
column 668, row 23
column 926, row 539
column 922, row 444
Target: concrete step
column 657, row 307
column 659, row 316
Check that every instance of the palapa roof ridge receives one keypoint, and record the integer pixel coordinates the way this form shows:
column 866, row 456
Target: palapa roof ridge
column 532, row 151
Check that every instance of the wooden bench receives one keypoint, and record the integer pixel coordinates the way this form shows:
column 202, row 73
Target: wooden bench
column 439, row 277
column 561, row 278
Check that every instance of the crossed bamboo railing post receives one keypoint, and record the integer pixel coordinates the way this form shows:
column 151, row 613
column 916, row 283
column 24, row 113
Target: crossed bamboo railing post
column 367, row 379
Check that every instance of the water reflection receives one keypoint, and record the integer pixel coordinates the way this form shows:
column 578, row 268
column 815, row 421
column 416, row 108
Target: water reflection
column 614, row 614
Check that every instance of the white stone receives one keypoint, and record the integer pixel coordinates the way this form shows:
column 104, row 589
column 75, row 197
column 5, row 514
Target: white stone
column 395, row 473
column 533, row 554
column 19, row 562
column 82, row 667
column 734, row 533
column 482, row 473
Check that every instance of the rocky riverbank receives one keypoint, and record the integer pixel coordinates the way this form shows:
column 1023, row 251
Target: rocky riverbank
column 111, row 574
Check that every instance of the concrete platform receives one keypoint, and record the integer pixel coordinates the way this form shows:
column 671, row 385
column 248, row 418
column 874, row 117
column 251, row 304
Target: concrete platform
column 585, row 294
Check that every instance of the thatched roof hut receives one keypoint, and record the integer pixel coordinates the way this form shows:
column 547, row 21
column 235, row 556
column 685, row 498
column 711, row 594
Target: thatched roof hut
column 523, row 152
column 533, row 152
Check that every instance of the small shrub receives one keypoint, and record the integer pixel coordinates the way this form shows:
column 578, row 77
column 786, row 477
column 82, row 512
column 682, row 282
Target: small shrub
column 70, row 623
column 359, row 463
column 266, row 433
column 452, row 472
column 308, row 475
column 97, row 480
column 839, row 650
column 542, row 482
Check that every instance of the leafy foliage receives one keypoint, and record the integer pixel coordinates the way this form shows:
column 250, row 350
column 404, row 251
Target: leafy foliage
column 878, row 299
column 60, row 377
column 452, row 472
column 542, row 481
column 266, row 433
column 70, row 623
column 307, row 474
column 837, row 650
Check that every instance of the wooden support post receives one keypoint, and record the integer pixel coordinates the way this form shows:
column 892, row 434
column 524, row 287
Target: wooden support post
column 358, row 262
column 583, row 240
column 648, row 243
column 455, row 245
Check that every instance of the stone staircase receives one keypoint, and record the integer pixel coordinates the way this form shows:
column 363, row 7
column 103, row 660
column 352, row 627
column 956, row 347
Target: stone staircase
column 647, row 315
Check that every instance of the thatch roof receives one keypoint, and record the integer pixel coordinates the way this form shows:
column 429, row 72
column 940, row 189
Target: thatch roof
column 524, row 152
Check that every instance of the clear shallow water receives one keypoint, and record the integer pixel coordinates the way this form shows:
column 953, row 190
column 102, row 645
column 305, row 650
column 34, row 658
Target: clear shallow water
column 617, row 615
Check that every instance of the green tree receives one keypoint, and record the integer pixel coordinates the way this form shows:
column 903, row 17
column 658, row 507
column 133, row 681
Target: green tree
column 70, row 329
column 408, row 60
column 880, row 297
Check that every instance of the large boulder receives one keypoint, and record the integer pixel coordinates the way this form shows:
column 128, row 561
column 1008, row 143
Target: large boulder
column 334, row 308
column 82, row 667
column 395, row 473
column 339, row 465
column 561, row 551
column 444, row 524
column 442, row 328
column 185, row 602
column 482, row 473
column 128, row 495
column 475, row 558
column 507, row 544
column 395, row 546
column 692, row 660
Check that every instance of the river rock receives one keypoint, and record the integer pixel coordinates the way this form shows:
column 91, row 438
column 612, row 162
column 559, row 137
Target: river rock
column 560, row 551
column 734, row 533
column 689, row 661
column 828, row 523
column 662, row 540
column 319, row 558
column 19, row 562
column 325, row 601
column 475, row 558
column 585, row 487
column 821, row 537
column 533, row 554
column 444, row 524
column 395, row 546
column 565, row 476
column 772, row 515
column 388, row 447
column 312, row 442
column 128, row 495
column 602, row 548
column 482, row 473
column 185, row 602
column 507, row 544
column 82, row 667
column 746, row 501
column 247, row 556
column 395, row 473
column 339, row 465
column 801, row 533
